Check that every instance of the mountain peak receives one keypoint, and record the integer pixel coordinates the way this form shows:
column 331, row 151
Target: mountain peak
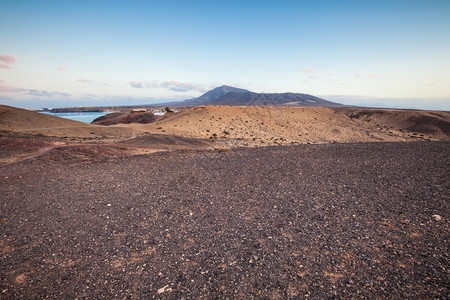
column 228, row 89
column 213, row 95
column 228, row 95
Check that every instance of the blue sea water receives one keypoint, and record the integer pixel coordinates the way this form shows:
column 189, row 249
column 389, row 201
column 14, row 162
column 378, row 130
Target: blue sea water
column 86, row 117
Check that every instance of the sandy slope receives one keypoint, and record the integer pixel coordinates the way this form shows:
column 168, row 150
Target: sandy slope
column 428, row 124
column 286, row 125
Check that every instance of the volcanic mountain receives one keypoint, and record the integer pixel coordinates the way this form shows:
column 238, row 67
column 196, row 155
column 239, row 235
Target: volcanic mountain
column 227, row 95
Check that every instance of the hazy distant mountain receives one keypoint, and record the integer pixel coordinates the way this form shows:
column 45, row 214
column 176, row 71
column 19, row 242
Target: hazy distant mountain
column 273, row 99
column 227, row 95
column 209, row 98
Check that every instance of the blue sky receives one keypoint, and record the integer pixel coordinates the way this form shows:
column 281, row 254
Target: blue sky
column 80, row 53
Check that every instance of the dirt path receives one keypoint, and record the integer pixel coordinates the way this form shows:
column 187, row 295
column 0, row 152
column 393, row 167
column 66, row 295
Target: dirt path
column 319, row 221
column 15, row 148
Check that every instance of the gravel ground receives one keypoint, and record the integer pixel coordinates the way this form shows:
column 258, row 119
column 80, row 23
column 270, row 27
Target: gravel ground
column 319, row 221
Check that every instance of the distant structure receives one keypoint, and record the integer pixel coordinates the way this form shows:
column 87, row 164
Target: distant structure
column 159, row 112
column 139, row 111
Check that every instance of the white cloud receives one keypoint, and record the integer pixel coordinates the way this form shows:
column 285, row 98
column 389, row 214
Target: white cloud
column 136, row 84
column 175, row 86
column 43, row 93
column 9, row 89
column 309, row 70
column 9, row 59
column 4, row 66
column 82, row 80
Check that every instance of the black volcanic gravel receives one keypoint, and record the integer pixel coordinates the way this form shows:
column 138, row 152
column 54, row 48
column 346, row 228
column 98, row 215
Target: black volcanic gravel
column 319, row 221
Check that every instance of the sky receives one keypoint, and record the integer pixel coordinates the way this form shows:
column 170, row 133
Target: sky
column 393, row 53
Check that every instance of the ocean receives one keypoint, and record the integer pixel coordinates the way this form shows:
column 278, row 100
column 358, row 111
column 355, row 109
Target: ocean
column 86, row 117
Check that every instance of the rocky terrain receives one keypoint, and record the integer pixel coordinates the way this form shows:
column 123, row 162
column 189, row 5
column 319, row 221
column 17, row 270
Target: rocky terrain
column 351, row 221
column 176, row 209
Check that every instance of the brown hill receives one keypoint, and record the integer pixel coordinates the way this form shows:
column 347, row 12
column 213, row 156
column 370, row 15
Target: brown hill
column 12, row 118
column 289, row 125
column 423, row 123
column 125, row 118
column 25, row 121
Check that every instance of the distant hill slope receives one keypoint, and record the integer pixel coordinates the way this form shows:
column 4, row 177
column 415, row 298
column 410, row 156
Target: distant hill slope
column 22, row 120
column 13, row 118
column 227, row 95
column 421, row 123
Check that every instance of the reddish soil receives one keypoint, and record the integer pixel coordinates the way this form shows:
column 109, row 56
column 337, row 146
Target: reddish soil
column 16, row 147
